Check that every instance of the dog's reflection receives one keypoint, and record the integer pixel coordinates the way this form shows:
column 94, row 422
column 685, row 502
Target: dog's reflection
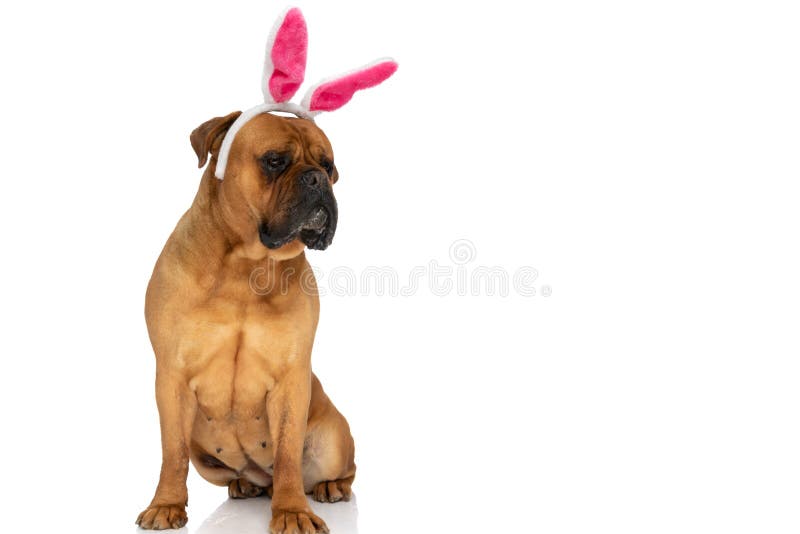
column 251, row 516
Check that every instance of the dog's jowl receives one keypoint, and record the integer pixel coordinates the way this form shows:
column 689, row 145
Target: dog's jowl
column 232, row 307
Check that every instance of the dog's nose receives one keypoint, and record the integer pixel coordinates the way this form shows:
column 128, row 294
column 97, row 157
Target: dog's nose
column 312, row 178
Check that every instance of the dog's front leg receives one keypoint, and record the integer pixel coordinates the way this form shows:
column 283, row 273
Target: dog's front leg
column 177, row 407
column 287, row 409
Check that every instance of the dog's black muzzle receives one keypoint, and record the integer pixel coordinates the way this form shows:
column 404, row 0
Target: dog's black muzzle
column 313, row 221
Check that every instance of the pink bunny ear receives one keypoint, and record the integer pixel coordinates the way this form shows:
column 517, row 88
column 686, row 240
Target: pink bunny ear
column 334, row 93
column 285, row 61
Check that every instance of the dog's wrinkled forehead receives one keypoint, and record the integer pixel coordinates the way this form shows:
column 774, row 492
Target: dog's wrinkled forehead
column 267, row 132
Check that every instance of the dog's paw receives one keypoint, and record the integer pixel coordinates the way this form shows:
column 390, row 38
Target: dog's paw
column 333, row 490
column 242, row 488
column 162, row 516
column 296, row 522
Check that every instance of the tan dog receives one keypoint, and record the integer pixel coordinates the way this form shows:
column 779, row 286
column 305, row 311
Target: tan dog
column 234, row 386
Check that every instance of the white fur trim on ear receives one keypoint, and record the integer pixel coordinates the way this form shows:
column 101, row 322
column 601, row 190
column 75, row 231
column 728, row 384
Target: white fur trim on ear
column 225, row 148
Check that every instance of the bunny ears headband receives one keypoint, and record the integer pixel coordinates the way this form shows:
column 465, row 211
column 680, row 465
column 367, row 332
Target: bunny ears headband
column 284, row 71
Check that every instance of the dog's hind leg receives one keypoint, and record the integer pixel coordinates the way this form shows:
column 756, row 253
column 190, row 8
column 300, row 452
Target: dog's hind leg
column 328, row 456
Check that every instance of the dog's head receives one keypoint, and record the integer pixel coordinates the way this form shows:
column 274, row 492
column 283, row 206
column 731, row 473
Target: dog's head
column 278, row 185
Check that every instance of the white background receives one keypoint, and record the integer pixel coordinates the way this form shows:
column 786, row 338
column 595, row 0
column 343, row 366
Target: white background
column 642, row 156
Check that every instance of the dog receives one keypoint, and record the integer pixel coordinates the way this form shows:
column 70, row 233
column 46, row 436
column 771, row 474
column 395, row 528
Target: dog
column 235, row 391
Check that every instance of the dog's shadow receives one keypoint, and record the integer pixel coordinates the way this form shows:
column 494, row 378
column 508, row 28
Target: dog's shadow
column 251, row 516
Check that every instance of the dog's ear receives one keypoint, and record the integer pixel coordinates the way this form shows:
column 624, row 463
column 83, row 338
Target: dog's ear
column 207, row 138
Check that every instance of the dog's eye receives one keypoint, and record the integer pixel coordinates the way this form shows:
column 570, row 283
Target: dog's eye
column 274, row 163
column 327, row 165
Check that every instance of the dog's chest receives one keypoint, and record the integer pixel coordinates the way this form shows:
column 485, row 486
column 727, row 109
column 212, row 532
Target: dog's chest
column 233, row 359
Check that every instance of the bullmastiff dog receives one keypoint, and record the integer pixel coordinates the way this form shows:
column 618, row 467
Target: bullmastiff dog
column 235, row 391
